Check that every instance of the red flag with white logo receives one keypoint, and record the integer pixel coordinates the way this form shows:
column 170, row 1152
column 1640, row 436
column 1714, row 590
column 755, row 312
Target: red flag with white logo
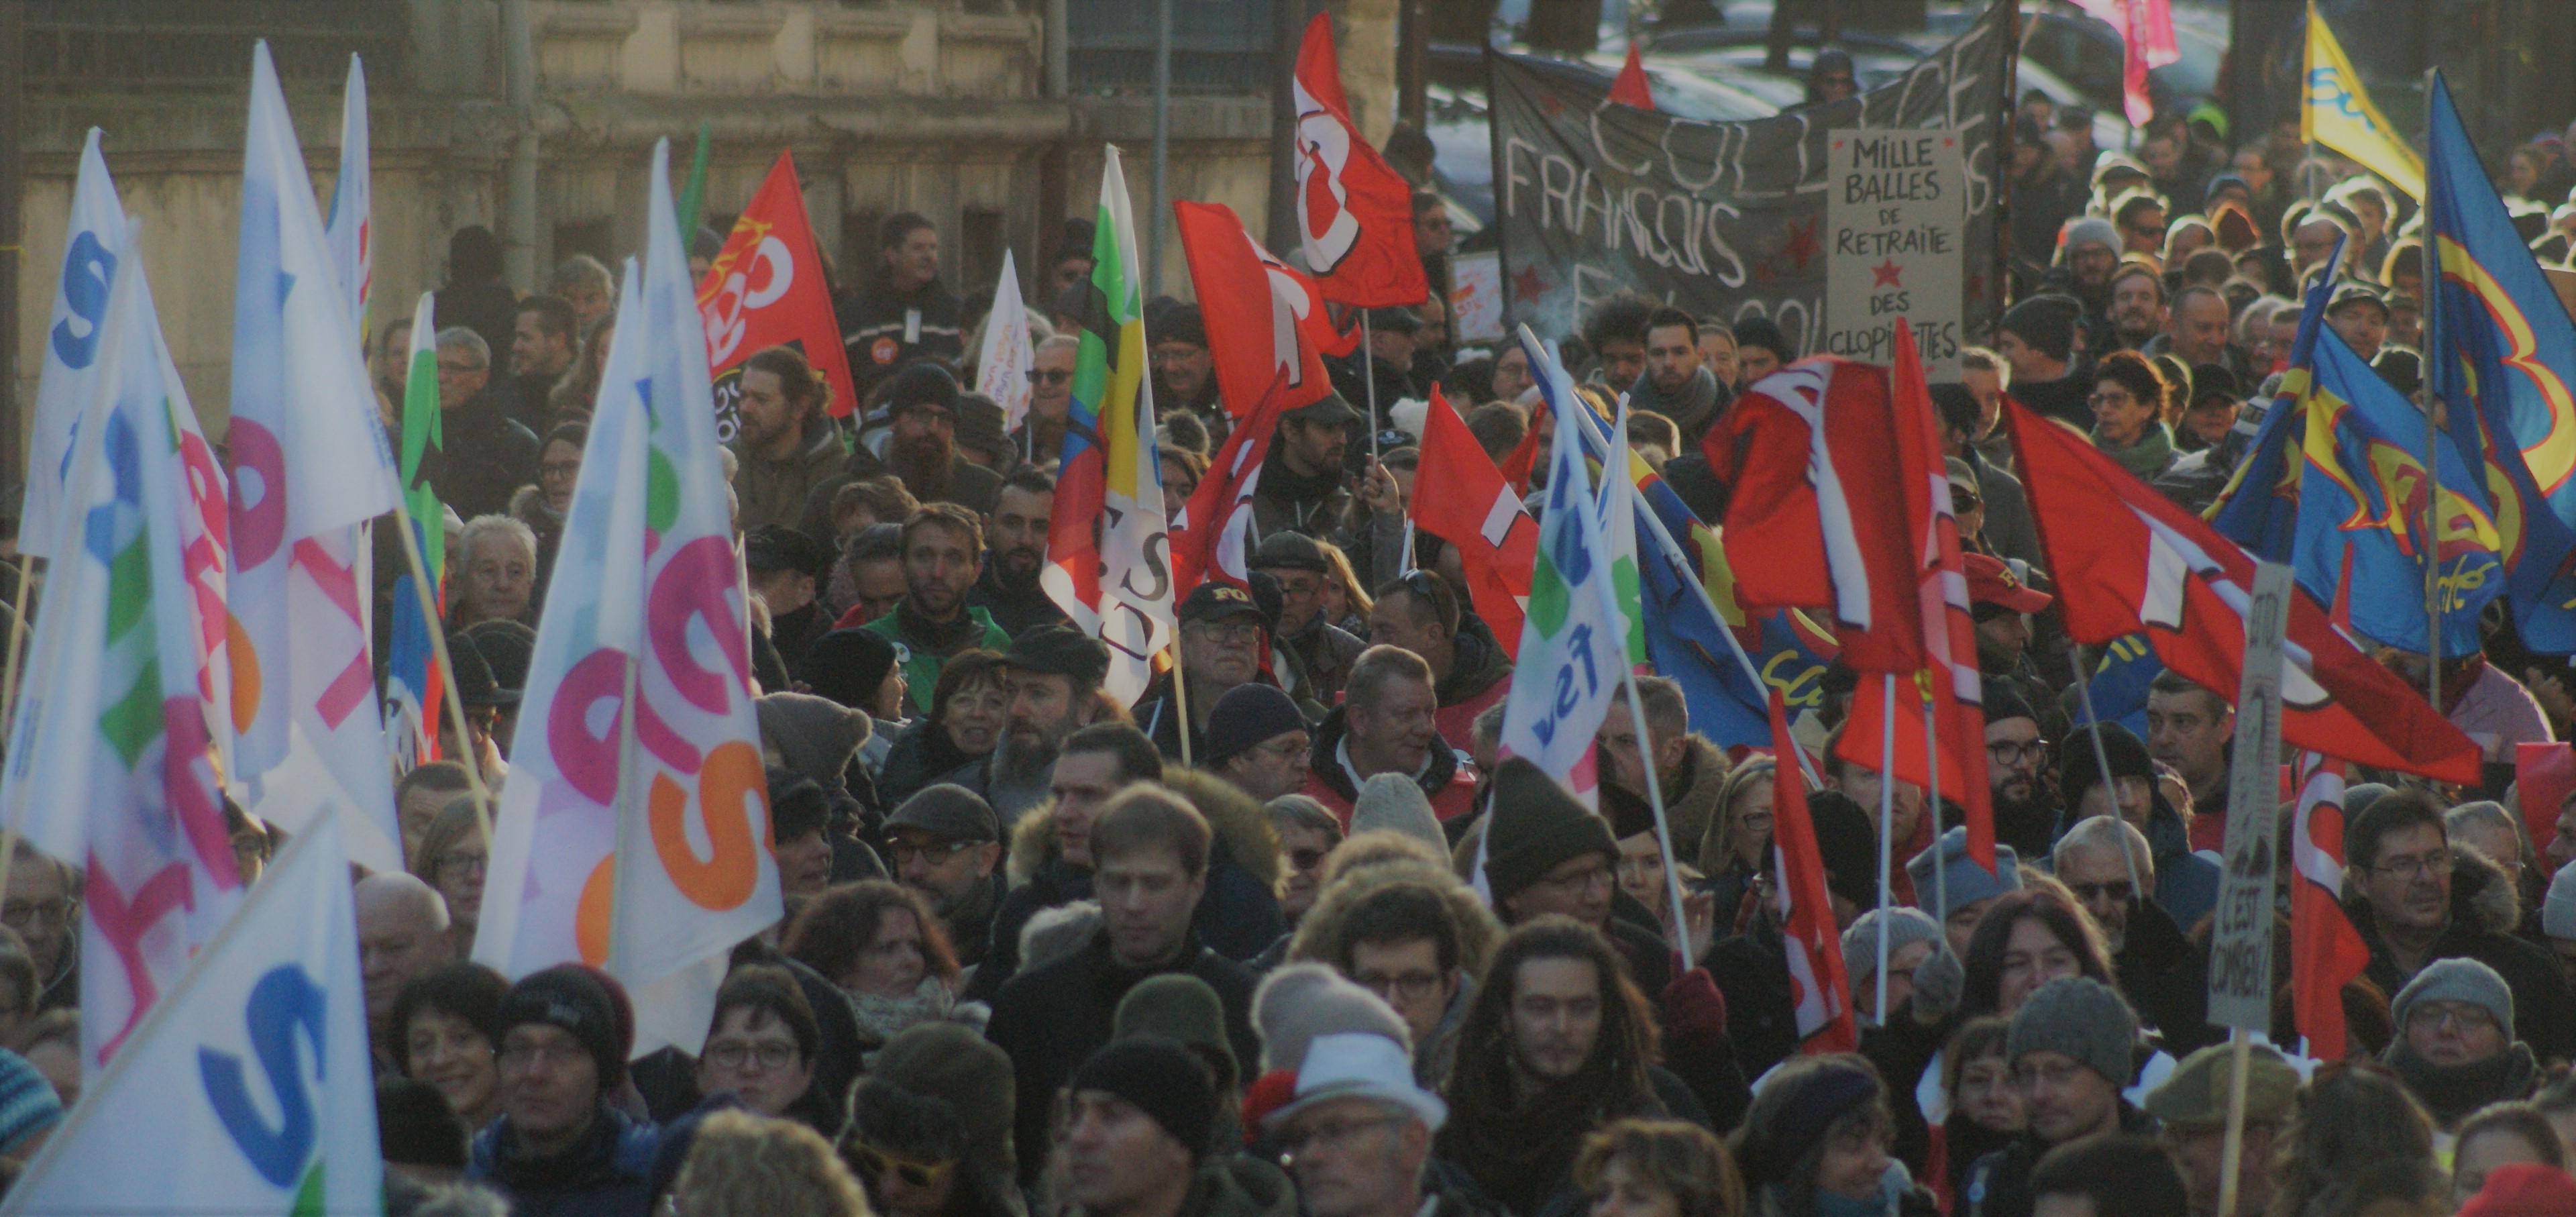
column 1354, row 211
column 1819, row 990
column 764, row 289
column 2130, row 561
column 1208, row 536
column 1460, row 497
column 1265, row 319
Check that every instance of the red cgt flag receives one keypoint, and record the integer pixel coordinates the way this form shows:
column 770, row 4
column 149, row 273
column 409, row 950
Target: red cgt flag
column 2130, row 561
column 1819, row 990
column 1475, row 510
column 1265, row 319
column 766, row 288
column 1207, row 538
column 1950, row 679
column 1355, row 213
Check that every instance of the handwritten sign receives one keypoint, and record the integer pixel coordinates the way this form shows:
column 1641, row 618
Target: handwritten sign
column 1476, row 297
column 1895, row 243
column 2240, row 952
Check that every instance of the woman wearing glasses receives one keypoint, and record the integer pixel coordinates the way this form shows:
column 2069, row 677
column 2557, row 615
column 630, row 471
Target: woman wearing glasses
column 2128, row 405
column 760, row 1048
column 452, row 858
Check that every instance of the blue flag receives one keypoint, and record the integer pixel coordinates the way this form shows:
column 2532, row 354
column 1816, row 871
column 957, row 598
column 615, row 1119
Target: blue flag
column 2260, row 507
column 2499, row 352
column 2365, row 489
column 2119, row 684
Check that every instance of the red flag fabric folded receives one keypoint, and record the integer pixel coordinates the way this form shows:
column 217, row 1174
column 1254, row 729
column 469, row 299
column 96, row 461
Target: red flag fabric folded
column 1354, row 211
column 1819, row 991
column 1208, row 535
column 1265, row 319
column 766, row 288
column 2130, row 561
column 1460, row 497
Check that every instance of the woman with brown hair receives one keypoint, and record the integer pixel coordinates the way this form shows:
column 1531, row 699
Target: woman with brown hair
column 1814, row 1144
column 1737, row 844
column 967, row 707
column 454, row 857
column 740, row 1164
column 2357, row 1143
column 1658, row 1168
column 882, row 945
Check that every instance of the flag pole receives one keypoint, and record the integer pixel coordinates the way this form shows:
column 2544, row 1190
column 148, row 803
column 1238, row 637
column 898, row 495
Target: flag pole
column 2102, row 762
column 1887, row 830
column 1181, row 697
column 2231, row 1161
column 446, row 669
column 1663, row 825
column 1932, row 807
column 1368, row 372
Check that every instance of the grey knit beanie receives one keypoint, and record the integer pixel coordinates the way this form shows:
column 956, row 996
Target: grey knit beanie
column 2458, row 980
column 2081, row 1017
column 1394, row 801
column 1300, row 1001
column 1968, row 881
column 2558, row 908
column 1905, row 927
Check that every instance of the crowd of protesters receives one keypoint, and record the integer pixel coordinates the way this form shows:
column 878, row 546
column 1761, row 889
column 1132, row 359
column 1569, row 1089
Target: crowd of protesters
column 1291, row 940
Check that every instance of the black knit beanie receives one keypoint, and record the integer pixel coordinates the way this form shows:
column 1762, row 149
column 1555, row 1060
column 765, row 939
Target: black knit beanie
column 1164, row 1080
column 573, row 998
column 1535, row 827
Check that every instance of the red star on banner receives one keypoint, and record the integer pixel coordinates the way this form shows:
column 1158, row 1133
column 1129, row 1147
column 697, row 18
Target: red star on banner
column 1549, row 103
column 1885, row 274
column 1802, row 243
column 1527, row 285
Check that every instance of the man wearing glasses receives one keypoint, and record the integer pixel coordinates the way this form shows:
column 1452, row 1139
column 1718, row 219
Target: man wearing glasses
column 944, row 843
column 1221, row 634
column 1359, row 1132
column 2186, row 884
column 760, row 1048
column 2413, row 907
column 2071, row 1048
column 559, row 1147
column 2025, row 815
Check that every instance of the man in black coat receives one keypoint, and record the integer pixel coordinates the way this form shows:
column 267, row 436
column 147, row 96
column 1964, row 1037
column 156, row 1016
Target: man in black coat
column 1150, row 854
column 484, row 455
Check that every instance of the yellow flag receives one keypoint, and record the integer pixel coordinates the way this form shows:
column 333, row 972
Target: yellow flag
column 2337, row 112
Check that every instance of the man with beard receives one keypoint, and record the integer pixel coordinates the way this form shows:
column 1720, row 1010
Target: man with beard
column 1015, row 531
column 2038, row 339
column 1220, row 636
column 944, row 843
column 1420, row 613
column 1312, row 656
column 2189, row 729
column 543, row 342
column 2016, row 754
column 1184, row 372
column 1676, row 383
column 921, row 446
column 943, row 548
column 1051, row 684
column 2137, row 306
column 1301, row 487
column 907, row 314
column 1558, row 1043
column 787, row 450
column 2087, row 254
column 1050, row 855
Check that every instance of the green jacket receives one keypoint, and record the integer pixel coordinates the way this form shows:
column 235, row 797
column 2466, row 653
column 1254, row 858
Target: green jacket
column 920, row 664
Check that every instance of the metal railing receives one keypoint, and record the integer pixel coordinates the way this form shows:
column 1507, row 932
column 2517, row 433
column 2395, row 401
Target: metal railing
column 208, row 42
column 1218, row 46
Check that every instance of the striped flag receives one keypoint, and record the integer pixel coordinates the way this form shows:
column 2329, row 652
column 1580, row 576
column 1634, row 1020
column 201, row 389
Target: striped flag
column 413, row 683
column 310, row 469
column 1108, row 550
column 1819, row 991
column 111, row 760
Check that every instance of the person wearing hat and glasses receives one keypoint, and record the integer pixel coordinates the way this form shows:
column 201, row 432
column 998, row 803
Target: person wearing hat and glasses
column 560, row 1146
column 1311, row 655
column 944, row 843
column 1222, row 629
column 1390, row 355
column 1358, row 1133
column 2193, row 1103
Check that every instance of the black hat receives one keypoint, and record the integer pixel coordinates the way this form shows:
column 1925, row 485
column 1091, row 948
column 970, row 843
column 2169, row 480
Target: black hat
column 796, row 806
column 1245, row 716
column 1061, row 651
column 1628, row 814
column 2210, row 380
column 2002, row 704
column 776, row 547
column 1163, row 1080
column 1179, row 323
column 1847, row 842
column 1394, row 320
column 1285, row 550
column 923, row 383
column 575, row 999
column 2354, row 291
column 1329, row 409
column 1535, row 827
column 847, row 665
column 1765, row 333
column 2046, row 323
column 1216, row 600
column 507, row 646
column 2078, row 772
column 475, row 684
column 949, row 812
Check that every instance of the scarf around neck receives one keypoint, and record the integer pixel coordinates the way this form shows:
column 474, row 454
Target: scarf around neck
column 2145, row 458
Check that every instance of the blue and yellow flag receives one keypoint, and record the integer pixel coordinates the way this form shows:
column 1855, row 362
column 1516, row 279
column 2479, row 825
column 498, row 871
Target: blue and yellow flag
column 2336, row 111
column 2259, row 509
column 2366, row 489
column 2499, row 352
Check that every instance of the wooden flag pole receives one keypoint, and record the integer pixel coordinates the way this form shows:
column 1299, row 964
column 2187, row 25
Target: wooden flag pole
column 2231, row 1164
column 437, row 628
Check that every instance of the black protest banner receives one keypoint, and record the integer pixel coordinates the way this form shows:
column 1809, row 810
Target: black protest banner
column 1719, row 219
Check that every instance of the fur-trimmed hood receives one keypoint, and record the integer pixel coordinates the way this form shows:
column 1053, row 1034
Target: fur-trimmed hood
column 1236, row 821
column 1319, row 933
column 2483, row 897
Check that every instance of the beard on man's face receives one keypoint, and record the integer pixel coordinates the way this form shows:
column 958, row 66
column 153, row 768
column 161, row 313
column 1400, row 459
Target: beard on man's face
column 1018, row 565
column 920, row 460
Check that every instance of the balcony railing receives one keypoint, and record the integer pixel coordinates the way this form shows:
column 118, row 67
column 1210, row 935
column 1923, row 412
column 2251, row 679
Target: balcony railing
column 208, row 42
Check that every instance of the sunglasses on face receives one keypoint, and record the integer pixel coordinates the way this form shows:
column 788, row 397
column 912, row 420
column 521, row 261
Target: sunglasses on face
column 880, row 1163
column 1049, row 376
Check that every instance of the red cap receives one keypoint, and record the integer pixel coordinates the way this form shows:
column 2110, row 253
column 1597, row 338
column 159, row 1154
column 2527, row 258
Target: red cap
column 1992, row 582
column 2524, row 1189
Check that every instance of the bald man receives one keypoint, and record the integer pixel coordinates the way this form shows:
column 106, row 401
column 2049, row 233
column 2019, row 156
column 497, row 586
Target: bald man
column 402, row 936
